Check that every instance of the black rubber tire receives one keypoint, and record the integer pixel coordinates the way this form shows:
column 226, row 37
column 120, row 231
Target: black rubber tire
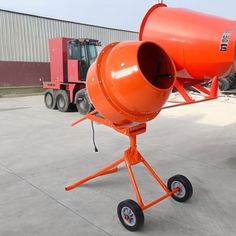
column 224, row 84
column 62, row 100
column 137, row 212
column 50, row 99
column 186, row 184
column 82, row 102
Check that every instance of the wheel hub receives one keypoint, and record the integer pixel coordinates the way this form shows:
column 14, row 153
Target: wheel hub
column 61, row 102
column 82, row 103
column 181, row 189
column 128, row 216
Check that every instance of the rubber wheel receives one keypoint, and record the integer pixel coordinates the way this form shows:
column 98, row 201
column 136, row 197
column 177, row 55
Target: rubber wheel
column 82, row 102
column 185, row 188
column 62, row 101
column 130, row 215
column 49, row 99
column 224, row 84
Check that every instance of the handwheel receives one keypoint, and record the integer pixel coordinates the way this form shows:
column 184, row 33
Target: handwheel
column 130, row 215
column 183, row 184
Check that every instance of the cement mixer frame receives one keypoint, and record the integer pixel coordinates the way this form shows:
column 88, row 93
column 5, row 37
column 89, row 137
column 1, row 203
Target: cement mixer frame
column 209, row 94
column 129, row 212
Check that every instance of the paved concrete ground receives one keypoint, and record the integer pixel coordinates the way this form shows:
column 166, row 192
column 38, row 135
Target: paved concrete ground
column 40, row 154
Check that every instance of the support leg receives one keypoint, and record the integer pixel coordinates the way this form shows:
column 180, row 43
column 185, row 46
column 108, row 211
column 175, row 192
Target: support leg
column 107, row 170
column 134, row 184
column 183, row 92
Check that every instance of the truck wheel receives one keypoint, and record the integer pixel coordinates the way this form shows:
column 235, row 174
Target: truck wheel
column 224, row 84
column 49, row 99
column 62, row 101
column 82, row 102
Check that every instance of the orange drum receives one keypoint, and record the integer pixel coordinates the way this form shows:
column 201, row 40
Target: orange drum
column 202, row 46
column 130, row 82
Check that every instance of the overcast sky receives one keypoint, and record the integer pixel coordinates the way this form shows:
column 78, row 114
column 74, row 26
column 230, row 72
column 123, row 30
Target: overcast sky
column 122, row 14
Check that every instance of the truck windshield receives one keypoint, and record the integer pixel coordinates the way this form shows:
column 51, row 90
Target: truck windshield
column 92, row 53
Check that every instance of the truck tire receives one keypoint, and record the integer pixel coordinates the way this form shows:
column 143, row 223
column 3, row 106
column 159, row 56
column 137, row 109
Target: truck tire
column 224, row 84
column 82, row 102
column 62, row 101
column 50, row 99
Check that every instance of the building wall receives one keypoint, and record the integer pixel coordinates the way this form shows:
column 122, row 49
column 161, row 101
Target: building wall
column 24, row 41
column 15, row 73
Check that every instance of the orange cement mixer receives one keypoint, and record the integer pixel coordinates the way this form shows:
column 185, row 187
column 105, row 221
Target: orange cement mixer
column 130, row 82
column 203, row 47
column 128, row 85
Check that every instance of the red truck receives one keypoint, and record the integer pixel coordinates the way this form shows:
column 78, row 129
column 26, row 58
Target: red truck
column 70, row 60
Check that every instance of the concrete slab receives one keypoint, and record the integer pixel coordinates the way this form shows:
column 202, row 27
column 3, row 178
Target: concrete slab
column 40, row 154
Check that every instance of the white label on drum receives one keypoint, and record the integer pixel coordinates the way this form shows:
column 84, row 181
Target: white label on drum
column 225, row 40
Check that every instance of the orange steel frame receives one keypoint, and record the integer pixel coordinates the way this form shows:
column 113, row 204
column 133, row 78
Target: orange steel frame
column 130, row 157
column 211, row 94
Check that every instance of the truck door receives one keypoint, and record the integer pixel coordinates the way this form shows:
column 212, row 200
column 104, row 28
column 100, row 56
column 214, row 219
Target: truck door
column 77, row 51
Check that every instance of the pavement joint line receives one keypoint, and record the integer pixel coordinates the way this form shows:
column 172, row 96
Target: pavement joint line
column 6, row 169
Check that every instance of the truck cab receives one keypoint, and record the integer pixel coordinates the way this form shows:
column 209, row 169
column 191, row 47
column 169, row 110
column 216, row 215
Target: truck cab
column 85, row 51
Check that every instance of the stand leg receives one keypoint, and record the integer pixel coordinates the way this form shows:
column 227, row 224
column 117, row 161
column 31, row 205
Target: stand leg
column 115, row 169
column 107, row 170
column 134, row 184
